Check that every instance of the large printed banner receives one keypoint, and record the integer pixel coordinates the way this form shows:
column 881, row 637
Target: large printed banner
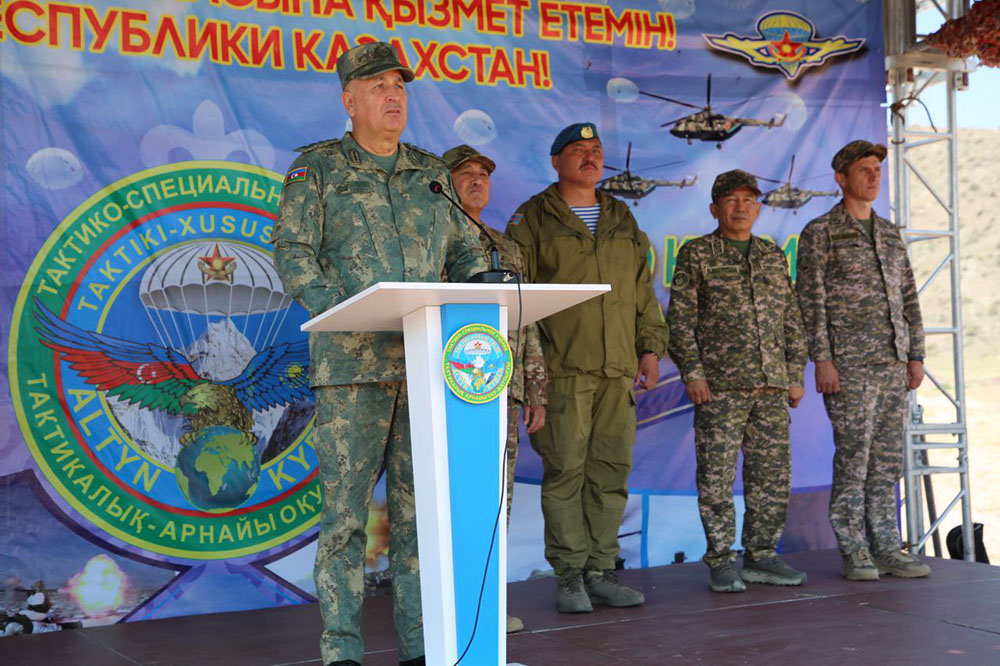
column 156, row 453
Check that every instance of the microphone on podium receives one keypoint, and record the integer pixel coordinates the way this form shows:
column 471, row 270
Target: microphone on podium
column 495, row 274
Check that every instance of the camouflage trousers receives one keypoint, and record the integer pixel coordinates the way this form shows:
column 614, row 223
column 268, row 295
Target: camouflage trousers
column 586, row 450
column 868, row 417
column 513, row 434
column 755, row 421
column 357, row 427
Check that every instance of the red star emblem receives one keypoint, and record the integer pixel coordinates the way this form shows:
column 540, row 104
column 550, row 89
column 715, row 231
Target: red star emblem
column 786, row 49
column 216, row 266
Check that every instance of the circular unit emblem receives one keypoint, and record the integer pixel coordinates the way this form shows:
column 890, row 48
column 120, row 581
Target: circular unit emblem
column 477, row 363
column 156, row 367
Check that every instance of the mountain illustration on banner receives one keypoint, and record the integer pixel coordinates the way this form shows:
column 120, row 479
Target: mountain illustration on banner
column 218, row 466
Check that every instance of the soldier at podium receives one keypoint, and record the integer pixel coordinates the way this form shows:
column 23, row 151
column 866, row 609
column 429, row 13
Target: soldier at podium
column 595, row 352
column 471, row 172
column 356, row 211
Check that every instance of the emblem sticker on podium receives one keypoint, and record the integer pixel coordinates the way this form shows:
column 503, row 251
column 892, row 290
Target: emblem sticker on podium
column 478, row 364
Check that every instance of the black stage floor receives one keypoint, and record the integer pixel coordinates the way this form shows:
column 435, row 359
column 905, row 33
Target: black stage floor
column 953, row 617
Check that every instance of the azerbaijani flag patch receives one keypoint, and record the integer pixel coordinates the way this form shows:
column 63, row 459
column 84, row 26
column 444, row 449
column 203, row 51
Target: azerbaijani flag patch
column 297, row 175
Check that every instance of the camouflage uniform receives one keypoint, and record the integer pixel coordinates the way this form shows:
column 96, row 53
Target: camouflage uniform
column 344, row 225
column 527, row 386
column 591, row 351
column 734, row 323
column 859, row 303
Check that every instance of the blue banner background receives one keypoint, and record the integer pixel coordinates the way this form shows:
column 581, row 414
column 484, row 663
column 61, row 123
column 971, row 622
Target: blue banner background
column 76, row 121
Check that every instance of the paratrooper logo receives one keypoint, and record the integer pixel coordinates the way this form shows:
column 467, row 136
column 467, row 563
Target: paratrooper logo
column 157, row 370
column 785, row 41
column 478, row 364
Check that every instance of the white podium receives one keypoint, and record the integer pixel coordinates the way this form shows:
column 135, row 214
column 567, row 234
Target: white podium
column 458, row 450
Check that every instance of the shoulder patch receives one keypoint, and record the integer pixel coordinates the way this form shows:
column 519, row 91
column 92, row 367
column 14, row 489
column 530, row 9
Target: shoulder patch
column 516, row 218
column 425, row 153
column 297, row 175
column 681, row 280
column 319, row 144
column 767, row 244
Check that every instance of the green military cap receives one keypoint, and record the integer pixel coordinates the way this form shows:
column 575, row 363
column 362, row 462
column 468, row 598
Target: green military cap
column 854, row 151
column 461, row 154
column 572, row 134
column 367, row 60
column 731, row 181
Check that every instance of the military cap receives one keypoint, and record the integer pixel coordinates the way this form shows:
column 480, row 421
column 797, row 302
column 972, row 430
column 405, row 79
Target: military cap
column 731, row 181
column 461, row 154
column 854, row 151
column 572, row 134
column 367, row 60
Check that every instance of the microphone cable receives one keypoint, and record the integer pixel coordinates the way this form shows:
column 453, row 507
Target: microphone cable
column 503, row 487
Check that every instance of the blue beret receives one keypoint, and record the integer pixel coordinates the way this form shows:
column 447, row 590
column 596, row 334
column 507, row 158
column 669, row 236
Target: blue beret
column 571, row 134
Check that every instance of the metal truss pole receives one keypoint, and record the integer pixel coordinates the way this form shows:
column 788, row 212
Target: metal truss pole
column 912, row 68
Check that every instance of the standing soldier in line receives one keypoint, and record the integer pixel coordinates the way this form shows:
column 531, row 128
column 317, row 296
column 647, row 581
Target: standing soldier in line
column 595, row 353
column 737, row 338
column 356, row 211
column 471, row 172
column 866, row 337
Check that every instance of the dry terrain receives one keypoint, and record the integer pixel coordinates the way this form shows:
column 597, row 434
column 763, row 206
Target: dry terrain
column 979, row 212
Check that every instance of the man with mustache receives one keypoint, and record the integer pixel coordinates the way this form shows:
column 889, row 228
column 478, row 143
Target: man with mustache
column 737, row 338
column 866, row 337
column 356, row 211
column 595, row 352
column 471, row 172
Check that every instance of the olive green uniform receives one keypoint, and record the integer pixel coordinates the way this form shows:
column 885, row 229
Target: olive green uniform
column 735, row 323
column 591, row 351
column 343, row 225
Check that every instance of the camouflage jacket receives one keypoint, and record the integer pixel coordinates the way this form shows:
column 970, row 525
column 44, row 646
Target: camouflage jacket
column 341, row 228
column 528, row 383
column 605, row 335
column 733, row 321
column 857, row 293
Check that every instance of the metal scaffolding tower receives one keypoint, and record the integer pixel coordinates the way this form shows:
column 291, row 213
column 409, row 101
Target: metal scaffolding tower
column 912, row 68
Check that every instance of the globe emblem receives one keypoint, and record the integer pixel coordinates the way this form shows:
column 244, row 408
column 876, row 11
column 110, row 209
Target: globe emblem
column 218, row 469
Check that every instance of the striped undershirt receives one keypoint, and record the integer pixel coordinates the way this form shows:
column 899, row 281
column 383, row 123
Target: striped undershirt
column 589, row 215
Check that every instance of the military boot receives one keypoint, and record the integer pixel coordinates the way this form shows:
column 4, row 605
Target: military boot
column 514, row 624
column 572, row 596
column 603, row 588
column 724, row 578
column 859, row 566
column 771, row 571
column 902, row 564
column 418, row 661
column 344, row 662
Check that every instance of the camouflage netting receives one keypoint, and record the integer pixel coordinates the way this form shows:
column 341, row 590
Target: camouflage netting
column 975, row 34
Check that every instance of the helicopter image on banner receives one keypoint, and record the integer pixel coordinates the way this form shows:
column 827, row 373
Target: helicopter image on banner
column 707, row 125
column 628, row 185
column 790, row 196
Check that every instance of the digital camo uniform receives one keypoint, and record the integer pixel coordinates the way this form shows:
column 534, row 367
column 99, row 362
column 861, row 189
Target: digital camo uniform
column 734, row 322
column 527, row 384
column 344, row 225
column 591, row 351
column 860, row 308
